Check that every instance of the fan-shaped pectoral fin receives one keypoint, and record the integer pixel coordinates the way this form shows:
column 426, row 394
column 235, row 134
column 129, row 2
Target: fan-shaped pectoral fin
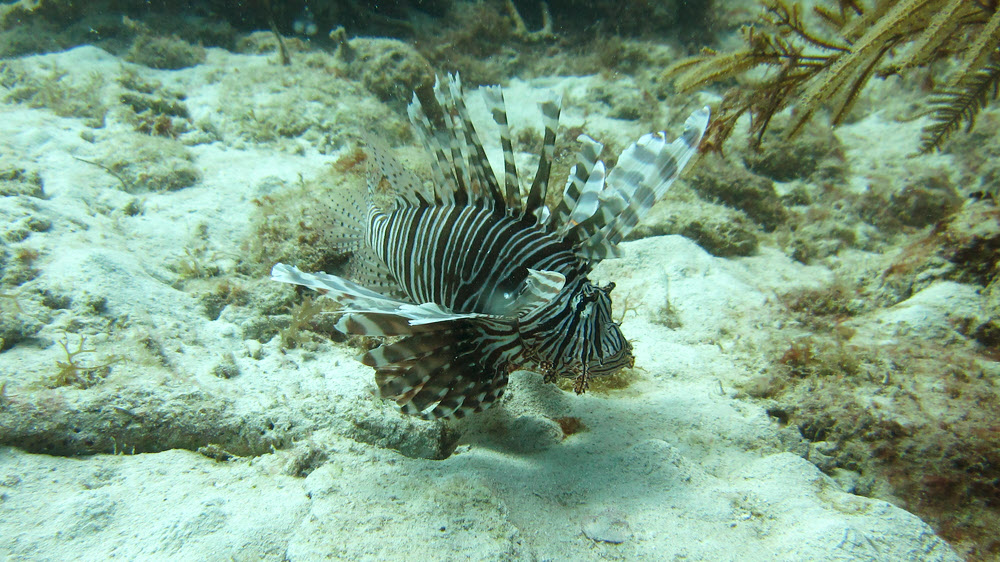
column 540, row 287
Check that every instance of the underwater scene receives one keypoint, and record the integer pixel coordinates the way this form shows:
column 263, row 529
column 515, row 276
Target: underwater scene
column 500, row 280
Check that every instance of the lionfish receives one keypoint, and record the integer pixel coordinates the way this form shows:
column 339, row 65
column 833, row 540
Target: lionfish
column 478, row 279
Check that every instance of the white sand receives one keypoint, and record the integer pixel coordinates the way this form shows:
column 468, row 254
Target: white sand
column 671, row 467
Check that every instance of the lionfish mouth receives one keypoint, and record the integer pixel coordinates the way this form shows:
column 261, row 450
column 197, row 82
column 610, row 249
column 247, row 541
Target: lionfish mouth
column 611, row 365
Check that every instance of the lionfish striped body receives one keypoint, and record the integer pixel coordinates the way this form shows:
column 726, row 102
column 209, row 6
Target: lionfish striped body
column 481, row 279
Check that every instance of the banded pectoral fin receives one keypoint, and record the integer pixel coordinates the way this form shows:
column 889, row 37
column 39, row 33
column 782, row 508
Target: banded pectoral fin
column 438, row 369
column 441, row 373
column 538, row 290
column 360, row 300
column 337, row 288
column 447, row 365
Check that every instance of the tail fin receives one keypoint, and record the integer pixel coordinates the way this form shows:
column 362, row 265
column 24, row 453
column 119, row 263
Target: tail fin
column 406, row 185
column 351, row 209
column 348, row 207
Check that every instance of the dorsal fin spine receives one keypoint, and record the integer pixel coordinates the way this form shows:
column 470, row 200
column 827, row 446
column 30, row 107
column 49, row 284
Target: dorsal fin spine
column 426, row 134
column 481, row 178
column 493, row 96
column 459, row 166
column 535, row 204
column 577, row 183
column 644, row 172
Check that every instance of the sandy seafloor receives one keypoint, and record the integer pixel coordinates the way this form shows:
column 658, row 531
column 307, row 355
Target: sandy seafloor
column 674, row 466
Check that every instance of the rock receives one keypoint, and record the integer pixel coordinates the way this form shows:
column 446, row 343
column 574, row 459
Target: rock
column 720, row 230
column 926, row 202
column 15, row 180
column 529, row 434
column 732, row 185
column 724, row 240
column 390, row 69
column 411, row 436
column 145, row 163
column 170, row 53
column 814, row 149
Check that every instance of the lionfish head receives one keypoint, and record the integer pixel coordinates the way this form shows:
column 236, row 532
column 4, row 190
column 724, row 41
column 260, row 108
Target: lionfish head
column 605, row 350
